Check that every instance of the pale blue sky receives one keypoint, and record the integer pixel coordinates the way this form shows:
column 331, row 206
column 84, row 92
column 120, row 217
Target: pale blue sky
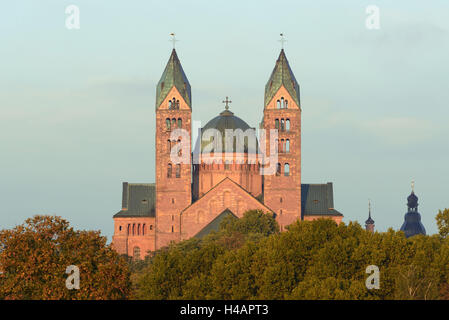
column 77, row 107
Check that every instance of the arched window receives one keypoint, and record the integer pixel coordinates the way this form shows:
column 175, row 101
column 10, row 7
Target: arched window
column 276, row 124
column 136, row 253
column 169, row 104
column 168, row 146
column 277, row 145
column 282, row 149
column 286, row 169
column 172, row 229
column 282, row 103
column 143, row 229
column 167, row 123
column 151, row 227
column 129, row 229
column 282, row 125
column 173, row 122
column 278, row 169
column 178, row 171
column 179, row 123
column 286, row 104
column 287, row 145
column 134, row 228
column 278, row 104
column 287, row 125
column 180, row 149
column 120, row 228
column 177, row 104
column 169, row 168
column 138, row 229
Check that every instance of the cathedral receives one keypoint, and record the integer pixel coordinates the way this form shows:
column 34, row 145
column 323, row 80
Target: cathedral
column 219, row 177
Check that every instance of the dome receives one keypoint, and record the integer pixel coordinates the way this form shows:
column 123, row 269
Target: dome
column 412, row 220
column 412, row 224
column 227, row 120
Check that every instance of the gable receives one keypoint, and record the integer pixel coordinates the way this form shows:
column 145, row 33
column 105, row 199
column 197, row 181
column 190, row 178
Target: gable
column 226, row 195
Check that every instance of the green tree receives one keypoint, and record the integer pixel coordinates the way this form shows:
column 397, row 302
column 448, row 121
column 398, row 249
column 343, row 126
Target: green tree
column 443, row 222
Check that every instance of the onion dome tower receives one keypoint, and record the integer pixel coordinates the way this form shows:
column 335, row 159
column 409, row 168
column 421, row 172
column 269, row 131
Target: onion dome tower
column 412, row 220
column 369, row 223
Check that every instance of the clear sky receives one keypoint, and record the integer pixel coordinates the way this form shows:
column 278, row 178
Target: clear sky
column 77, row 106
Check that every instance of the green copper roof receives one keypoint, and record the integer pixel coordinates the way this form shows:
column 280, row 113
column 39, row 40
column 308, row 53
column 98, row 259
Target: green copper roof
column 282, row 75
column 173, row 76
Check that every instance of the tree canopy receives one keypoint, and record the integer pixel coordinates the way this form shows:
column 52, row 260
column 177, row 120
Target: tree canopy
column 34, row 257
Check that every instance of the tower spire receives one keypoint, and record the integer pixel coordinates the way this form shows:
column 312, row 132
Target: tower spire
column 282, row 75
column 173, row 76
column 369, row 223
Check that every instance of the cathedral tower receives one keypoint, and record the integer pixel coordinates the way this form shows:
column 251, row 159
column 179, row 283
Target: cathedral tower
column 173, row 180
column 282, row 111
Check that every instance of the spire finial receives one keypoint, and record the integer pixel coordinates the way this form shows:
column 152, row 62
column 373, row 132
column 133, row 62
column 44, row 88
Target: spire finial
column 173, row 39
column 282, row 41
column 413, row 186
column 369, row 208
column 226, row 103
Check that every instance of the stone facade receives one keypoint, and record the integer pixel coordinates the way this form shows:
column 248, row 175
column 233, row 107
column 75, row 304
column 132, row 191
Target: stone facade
column 188, row 197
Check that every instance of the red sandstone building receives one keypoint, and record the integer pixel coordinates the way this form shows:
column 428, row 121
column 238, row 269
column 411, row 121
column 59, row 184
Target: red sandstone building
column 189, row 199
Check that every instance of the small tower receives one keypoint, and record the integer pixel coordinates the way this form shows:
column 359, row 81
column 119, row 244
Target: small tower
column 412, row 220
column 369, row 223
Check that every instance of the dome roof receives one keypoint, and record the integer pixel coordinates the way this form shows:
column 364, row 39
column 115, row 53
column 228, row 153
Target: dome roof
column 412, row 220
column 224, row 121
column 412, row 224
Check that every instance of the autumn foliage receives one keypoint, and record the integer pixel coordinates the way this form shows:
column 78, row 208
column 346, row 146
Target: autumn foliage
column 34, row 257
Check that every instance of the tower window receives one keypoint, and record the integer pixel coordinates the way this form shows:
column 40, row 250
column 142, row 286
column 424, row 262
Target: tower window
column 178, row 171
column 278, row 104
column 129, row 229
column 151, row 227
column 143, row 229
column 169, row 169
column 282, row 125
column 286, row 169
column 287, row 146
column 179, row 122
column 138, row 229
column 276, row 124
column 168, row 146
column 278, row 169
column 286, row 104
column 173, row 122
column 282, row 103
column 120, row 228
column 167, row 124
column 172, row 229
column 287, row 125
